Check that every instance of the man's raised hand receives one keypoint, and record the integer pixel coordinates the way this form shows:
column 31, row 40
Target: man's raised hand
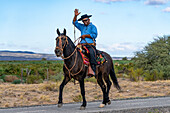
column 76, row 12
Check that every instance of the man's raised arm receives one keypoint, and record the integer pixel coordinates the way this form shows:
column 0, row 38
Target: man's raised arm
column 76, row 13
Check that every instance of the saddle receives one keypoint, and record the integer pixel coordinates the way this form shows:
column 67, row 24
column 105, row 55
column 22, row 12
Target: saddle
column 100, row 58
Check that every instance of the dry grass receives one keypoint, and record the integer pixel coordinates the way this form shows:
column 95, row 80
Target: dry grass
column 47, row 93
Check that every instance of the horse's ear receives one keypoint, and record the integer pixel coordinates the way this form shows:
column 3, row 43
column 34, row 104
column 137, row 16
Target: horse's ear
column 58, row 32
column 64, row 31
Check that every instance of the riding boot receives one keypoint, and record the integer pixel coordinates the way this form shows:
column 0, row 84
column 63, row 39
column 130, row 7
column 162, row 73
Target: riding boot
column 94, row 69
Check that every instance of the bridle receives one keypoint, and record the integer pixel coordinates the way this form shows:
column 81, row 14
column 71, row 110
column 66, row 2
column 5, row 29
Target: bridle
column 60, row 44
column 75, row 50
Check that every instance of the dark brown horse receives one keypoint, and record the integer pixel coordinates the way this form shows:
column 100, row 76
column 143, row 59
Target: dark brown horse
column 75, row 68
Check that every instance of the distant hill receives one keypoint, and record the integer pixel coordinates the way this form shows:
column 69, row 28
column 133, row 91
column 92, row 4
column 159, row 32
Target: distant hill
column 18, row 52
column 28, row 55
column 25, row 55
column 120, row 58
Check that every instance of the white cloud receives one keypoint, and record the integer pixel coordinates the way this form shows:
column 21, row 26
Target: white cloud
column 2, row 44
column 166, row 9
column 156, row 2
column 109, row 1
column 16, row 47
column 121, row 49
column 103, row 1
column 148, row 2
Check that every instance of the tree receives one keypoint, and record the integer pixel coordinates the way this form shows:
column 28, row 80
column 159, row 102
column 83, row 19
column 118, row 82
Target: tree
column 155, row 56
column 124, row 58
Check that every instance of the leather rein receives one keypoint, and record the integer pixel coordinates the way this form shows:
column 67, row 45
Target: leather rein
column 75, row 50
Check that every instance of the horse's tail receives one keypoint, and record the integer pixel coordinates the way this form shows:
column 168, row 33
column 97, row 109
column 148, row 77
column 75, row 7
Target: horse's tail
column 114, row 79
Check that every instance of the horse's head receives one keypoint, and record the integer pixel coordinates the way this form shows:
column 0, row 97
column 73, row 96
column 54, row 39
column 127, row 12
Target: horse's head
column 61, row 42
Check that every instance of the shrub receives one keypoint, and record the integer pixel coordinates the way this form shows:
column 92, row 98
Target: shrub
column 155, row 58
column 124, row 58
column 1, row 71
column 92, row 79
column 135, row 74
column 50, row 87
column 1, row 80
column 154, row 75
column 2, row 77
column 57, row 77
column 16, row 81
column 77, row 98
column 10, row 78
column 33, row 79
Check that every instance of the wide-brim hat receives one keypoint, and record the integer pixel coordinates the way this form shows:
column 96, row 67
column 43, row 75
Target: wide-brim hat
column 84, row 16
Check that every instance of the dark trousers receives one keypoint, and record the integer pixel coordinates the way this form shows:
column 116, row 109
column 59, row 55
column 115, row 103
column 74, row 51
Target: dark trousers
column 92, row 56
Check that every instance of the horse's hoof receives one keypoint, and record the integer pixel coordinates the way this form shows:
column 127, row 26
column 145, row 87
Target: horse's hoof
column 109, row 102
column 60, row 105
column 82, row 108
column 101, row 105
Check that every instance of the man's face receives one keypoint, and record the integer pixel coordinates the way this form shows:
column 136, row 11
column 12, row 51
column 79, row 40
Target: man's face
column 86, row 21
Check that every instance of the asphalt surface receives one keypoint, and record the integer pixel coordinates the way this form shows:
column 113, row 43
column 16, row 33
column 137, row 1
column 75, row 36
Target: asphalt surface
column 143, row 105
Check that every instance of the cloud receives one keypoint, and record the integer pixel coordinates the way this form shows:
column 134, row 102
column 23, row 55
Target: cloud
column 155, row 2
column 2, row 44
column 109, row 1
column 148, row 2
column 14, row 46
column 103, row 13
column 121, row 49
column 166, row 10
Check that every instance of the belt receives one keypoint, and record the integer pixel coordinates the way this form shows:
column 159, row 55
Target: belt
column 94, row 44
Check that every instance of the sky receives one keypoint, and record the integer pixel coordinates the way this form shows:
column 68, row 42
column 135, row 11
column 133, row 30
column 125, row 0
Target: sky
column 124, row 26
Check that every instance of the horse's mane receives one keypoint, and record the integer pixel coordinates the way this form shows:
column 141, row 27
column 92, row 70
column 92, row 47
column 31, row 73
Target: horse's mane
column 70, row 42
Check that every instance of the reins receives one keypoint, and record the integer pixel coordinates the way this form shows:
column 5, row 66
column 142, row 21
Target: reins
column 75, row 50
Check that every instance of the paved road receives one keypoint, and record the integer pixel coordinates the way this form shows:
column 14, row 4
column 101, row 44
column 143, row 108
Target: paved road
column 160, row 104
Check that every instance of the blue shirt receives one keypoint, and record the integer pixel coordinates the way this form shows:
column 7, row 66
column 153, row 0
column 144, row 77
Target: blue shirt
column 86, row 30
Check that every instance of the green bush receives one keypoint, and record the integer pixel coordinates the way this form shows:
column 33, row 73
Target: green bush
column 57, row 77
column 33, row 79
column 16, row 81
column 135, row 74
column 38, row 68
column 77, row 98
column 1, row 71
column 3, row 77
column 155, row 59
column 1, row 81
column 10, row 78
column 153, row 75
column 92, row 79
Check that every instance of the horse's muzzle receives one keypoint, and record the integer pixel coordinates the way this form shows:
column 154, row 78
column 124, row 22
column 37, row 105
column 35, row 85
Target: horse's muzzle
column 58, row 52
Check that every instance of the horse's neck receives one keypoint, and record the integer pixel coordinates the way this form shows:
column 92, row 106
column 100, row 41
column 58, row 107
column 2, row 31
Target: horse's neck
column 68, row 51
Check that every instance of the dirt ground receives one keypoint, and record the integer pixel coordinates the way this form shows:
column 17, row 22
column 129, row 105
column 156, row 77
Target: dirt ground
column 47, row 93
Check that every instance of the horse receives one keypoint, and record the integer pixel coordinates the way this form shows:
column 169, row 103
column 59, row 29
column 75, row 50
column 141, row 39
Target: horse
column 75, row 68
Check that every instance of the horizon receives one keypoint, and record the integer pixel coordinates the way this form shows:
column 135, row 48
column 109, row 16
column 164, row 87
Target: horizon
column 32, row 52
column 124, row 27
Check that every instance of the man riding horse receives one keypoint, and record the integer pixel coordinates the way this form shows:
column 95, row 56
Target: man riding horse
column 88, row 36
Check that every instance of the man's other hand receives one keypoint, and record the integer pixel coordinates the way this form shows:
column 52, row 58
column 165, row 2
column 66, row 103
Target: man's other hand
column 83, row 37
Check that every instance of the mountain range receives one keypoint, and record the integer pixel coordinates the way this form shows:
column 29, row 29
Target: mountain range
column 25, row 55
column 28, row 55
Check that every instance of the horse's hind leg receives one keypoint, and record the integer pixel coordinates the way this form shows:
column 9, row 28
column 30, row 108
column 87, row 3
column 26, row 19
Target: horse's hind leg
column 108, row 82
column 65, row 81
column 103, row 87
column 83, row 94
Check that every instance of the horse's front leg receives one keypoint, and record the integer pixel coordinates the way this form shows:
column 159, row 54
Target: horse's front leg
column 83, row 106
column 65, row 81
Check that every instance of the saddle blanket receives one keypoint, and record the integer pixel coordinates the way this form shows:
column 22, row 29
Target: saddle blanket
column 100, row 57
